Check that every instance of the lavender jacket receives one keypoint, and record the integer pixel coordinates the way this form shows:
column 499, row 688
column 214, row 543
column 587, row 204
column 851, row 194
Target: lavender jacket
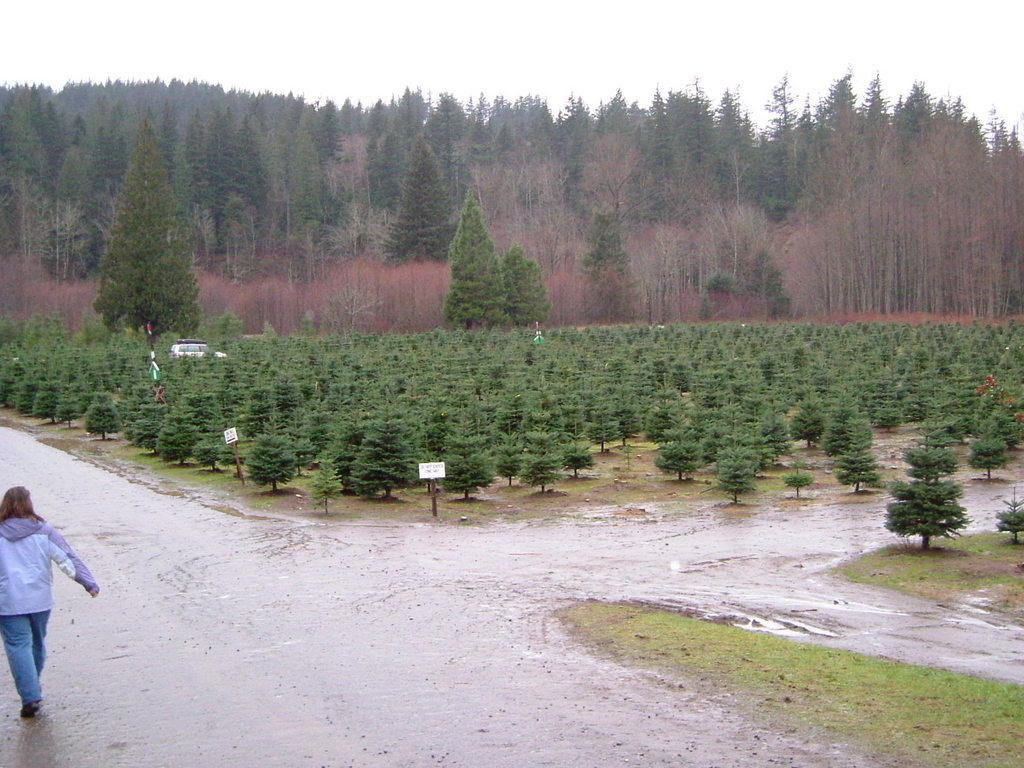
column 26, row 579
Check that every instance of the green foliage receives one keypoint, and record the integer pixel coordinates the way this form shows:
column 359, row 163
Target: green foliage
column 422, row 229
column 736, row 469
column 845, row 431
column 577, row 457
column 856, row 468
column 468, row 465
column 542, row 460
column 1011, row 519
column 508, row 459
column 524, row 294
column 146, row 273
column 44, row 405
column 103, row 416
column 211, row 450
column 270, row 461
column 775, row 436
column 68, row 407
column 605, row 253
column 797, row 480
column 178, row 436
column 475, row 296
column 269, row 174
column 927, row 507
column 603, row 425
column 988, row 453
column 325, row 484
column 661, row 420
column 681, row 456
column 386, row 459
column 145, row 424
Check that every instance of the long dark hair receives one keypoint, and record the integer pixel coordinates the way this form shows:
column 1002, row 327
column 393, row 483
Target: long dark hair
column 17, row 503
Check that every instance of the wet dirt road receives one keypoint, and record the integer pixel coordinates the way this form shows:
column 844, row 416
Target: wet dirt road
column 222, row 640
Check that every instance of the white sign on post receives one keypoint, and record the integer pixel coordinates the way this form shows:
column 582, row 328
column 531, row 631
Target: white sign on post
column 231, row 436
column 432, row 470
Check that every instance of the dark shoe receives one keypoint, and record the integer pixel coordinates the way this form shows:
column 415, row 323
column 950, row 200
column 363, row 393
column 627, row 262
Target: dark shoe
column 30, row 709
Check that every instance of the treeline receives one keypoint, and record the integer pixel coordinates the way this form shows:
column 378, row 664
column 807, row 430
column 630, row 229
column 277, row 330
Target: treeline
column 859, row 204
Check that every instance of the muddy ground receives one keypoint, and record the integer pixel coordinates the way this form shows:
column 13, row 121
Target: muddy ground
column 247, row 640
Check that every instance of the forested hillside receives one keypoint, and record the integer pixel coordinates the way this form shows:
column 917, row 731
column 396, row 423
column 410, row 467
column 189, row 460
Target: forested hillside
column 682, row 208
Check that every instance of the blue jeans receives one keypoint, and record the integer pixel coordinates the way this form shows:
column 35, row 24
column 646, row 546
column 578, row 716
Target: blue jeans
column 25, row 643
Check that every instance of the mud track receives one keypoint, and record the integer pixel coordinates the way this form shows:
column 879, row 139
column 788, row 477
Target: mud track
column 227, row 640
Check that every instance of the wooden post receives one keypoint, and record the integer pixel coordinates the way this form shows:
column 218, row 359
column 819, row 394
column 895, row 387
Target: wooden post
column 231, row 438
column 238, row 464
column 430, row 471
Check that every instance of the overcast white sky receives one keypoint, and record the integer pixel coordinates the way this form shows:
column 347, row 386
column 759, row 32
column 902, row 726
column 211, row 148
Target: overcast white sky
column 372, row 50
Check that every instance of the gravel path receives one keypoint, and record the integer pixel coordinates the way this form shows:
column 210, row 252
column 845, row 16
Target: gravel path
column 226, row 640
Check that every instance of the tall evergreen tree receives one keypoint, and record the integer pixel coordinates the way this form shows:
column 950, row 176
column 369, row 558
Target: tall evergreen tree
column 475, row 296
column 523, row 289
column 606, row 265
column 422, row 229
column 146, row 273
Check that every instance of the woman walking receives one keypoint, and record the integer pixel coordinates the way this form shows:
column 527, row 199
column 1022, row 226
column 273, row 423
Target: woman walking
column 27, row 545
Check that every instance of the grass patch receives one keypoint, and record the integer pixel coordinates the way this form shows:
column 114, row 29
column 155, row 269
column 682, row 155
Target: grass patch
column 915, row 715
column 977, row 568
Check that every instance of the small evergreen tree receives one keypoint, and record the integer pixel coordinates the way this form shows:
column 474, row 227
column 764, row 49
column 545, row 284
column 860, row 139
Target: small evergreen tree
column 271, row 461
column 603, row 426
column 856, row 468
column 1011, row 520
column 808, row 423
column 468, row 466
column 144, row 428
column 508, row 459
column 103, row 417
column 926, row 506
column 211, row 450
column 343, row 448
column 797, row 480
column 661, row 420
column 325, row 483
column 541, row 461
column 68, row 407
column 385, row 460
column 988, row 452
column 577, row 457
column 178, row 436
column 681, row 456
column 44, row 405
column 775, row 437
column 25, row 395
column 845, row 431
column 736, row 469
